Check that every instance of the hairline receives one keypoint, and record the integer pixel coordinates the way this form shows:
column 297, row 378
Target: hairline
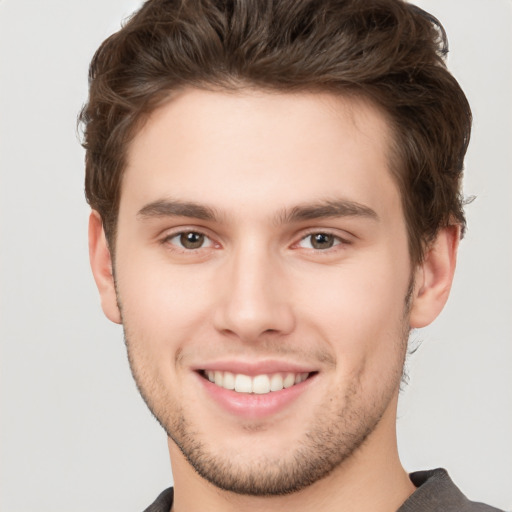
column 229, row 84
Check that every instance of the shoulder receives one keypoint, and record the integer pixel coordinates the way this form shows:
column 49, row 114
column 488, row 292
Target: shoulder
column 163, row 502
column 436, row 491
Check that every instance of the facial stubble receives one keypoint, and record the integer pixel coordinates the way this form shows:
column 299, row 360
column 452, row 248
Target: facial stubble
column 333, row 437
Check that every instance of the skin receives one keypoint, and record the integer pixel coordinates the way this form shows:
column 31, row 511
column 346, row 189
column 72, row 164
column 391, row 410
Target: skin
column 258, row 174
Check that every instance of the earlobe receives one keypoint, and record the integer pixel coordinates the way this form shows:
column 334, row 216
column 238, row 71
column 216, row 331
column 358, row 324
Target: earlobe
column 101, row 265
column 434, row 276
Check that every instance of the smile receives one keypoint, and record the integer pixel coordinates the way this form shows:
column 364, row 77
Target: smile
column 258, row 384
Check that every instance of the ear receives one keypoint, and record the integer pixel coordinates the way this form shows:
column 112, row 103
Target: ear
column 101, row 264
column 433, row 278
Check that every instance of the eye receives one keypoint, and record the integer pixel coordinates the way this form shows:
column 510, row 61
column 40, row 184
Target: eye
column 319, row 241
column 189, row 240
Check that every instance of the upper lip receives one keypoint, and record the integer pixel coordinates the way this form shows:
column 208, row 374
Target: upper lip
column 253, row 368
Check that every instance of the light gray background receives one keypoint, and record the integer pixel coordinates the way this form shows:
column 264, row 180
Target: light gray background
column 74, row 433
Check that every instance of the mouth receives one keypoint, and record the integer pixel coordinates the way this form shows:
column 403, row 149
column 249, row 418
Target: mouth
column 258, row 384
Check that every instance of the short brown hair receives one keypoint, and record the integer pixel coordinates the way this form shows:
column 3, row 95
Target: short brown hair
column 388, row 51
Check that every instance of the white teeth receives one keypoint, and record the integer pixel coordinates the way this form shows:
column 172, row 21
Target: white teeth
column 229, row 381
column 301, row 377
column 243, row 383
column 276, row 382
column 260, row 384
column 289, row 380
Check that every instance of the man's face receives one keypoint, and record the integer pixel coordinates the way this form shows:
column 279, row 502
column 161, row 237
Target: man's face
column 261, row 244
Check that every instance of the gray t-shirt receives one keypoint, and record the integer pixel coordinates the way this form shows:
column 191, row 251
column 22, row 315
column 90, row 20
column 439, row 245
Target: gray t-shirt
column 435, row 493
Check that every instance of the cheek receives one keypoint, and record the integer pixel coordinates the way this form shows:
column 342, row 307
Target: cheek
column 148, row 280
column 360, row 311
column 161, row 306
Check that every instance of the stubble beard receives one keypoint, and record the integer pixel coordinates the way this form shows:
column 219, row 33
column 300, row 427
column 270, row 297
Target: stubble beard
column 333, row 437
column 324, row 447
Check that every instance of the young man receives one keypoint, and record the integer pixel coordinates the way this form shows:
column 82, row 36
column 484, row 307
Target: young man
column 276, row 204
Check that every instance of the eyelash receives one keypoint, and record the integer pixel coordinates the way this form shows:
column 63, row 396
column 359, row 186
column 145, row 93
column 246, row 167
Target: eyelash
column 168, row 239
column 337, row 241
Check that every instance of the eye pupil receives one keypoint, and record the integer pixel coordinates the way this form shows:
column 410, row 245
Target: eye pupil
column 191, row 240
column 322, row 241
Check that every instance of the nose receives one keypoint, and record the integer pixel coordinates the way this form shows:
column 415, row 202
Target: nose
column 253, row 298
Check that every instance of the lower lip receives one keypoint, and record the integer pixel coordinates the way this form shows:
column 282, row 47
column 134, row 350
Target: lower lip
column 252, row 405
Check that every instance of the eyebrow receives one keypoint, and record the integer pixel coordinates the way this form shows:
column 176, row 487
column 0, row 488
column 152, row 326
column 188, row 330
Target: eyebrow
column 308, row 211
column 173, row 208
column 326, row 209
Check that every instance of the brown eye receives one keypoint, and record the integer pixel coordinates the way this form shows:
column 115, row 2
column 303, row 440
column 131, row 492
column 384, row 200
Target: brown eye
column 191, row 240
column 322, row 241
column 184, row 241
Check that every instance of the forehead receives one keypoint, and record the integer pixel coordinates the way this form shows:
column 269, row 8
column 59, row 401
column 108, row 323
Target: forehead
column 249, row 148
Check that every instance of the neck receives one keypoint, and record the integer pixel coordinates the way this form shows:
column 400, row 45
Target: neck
column 371, row 479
